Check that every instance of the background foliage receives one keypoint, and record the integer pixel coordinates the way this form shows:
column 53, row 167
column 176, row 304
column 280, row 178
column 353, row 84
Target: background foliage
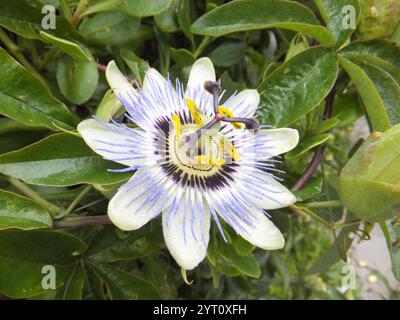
column 312, row 74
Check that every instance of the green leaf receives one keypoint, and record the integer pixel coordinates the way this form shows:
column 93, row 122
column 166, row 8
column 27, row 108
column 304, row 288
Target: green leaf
column 369, row 183
column 125, row 286
column 297, row 86
column 335, row 17
column 385, row 50
column 108, row 247
column 347, row 108
column 59, row 160
column 110, row 28
column 24, row 22
column 69, row 47
column 77, row 79
column 228, row 53
column 15, row 140
column 247, row 15
column 391, row 230
column 311, row 189
column 308, row 144
column 247, row 265
column 242, row 247
column 24, row 254
column 24, row 98
column 185, row 19
column 28, row 22
column 378, row 101
column 21, row 213
column 335, row 253
column 136, row 8
column 182, row 57
column 72, row 290
column 137, row 65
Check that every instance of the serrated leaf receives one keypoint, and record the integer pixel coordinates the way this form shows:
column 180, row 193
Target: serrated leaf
column 24, row 98
column 59, row 160
column 297, row 86
column 252, row 14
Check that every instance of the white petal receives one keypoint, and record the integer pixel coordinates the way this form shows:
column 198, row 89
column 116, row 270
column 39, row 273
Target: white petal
column 118, row 83
column 187, row 232
column 160, row 94
column 276, row 141
column 263, row 190
column 139, row 202
column 246, row 219
column 202, row 70
column 244, row 104
column 264, row 233
column 106, row 140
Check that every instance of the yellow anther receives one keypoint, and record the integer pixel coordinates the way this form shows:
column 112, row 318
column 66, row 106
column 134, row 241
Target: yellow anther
column 225, row 112
column 202, row 159
column 176, row 121
column 194, row 111
column 230, row 148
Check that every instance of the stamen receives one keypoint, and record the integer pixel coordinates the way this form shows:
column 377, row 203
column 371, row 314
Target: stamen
column 194, row 111
column 250, row 123
column 202, row 159
column 230, row 148
column 176, row 121
column 226, row 113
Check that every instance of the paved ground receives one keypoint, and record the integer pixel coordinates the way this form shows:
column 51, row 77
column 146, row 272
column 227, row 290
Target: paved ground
column 375, row 254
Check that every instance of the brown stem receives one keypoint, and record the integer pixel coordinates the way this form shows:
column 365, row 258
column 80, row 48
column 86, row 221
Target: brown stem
column 74, row 222
column 319, row 154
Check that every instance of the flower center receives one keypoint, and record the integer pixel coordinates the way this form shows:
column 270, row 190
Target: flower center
column 210, row 148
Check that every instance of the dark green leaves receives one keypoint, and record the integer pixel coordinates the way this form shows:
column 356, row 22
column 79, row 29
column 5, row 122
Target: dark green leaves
column 110, row 28
column 137, row 8
column 377, row 100
column 339, row 21
column 24, row 254
column 252, row 14
column 69, row 47
column 59, row 160
column 24, row 98
column 21, row 213
column 297, row 86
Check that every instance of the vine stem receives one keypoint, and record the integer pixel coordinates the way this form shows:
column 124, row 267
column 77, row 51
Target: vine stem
column 324, row 204
column 86, row 221
column 16, row 52
column 53, row 209
column 80, row 196
column 79, row 9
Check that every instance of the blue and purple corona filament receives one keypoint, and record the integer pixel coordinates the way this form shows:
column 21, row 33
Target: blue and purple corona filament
column 195, row 157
